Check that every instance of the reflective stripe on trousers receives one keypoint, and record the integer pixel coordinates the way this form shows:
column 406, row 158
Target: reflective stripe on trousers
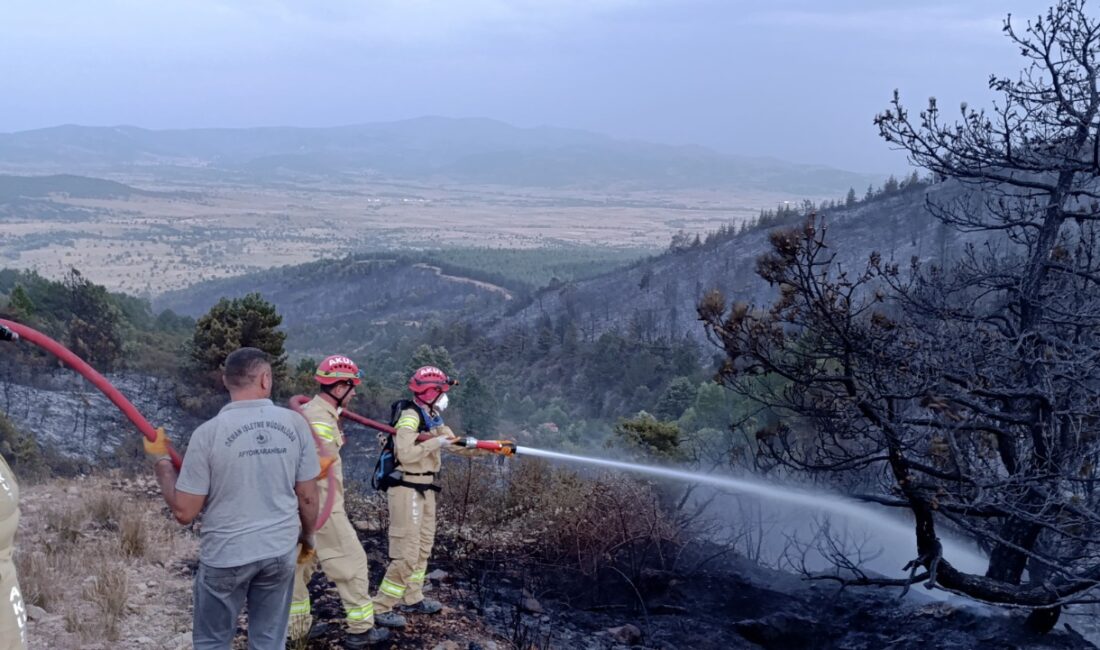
column 299, row 607
column 361, row 613
column 391, row 588
column 411, row 536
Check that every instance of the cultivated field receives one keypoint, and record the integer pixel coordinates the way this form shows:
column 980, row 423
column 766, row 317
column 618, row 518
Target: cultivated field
column 207, row 229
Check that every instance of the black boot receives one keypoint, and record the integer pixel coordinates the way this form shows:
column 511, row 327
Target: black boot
column 390, row 619
column 426, row 606
column 373, row 636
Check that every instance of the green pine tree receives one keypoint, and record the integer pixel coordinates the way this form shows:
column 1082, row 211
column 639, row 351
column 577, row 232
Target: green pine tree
column 234, row 323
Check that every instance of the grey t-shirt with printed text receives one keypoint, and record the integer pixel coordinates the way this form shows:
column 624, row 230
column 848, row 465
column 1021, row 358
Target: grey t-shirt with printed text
column 246, row 461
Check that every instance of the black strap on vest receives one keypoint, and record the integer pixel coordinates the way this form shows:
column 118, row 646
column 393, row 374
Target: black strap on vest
column 403, row 404
column 419, row 487
column 390, row 480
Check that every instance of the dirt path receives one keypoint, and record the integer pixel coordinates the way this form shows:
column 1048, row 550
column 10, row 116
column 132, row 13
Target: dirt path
column 458, row 278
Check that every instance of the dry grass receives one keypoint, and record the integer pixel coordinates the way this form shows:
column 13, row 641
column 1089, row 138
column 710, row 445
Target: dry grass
column 48, row 577
column 40, row 578
column 105, row 509
column 150, row 538
column 67, row 523
column 102, row 556
column 108, row 591
column 134, row 536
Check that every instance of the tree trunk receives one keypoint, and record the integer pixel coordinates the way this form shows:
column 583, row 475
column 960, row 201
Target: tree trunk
column 1005, row 562
column 1042, row 621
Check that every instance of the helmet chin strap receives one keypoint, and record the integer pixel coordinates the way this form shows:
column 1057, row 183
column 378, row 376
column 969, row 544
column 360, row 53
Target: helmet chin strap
column 428, row 405
column 327, row 389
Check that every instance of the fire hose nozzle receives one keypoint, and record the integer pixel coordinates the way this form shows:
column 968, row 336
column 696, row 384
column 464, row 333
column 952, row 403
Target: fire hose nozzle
column 502, row 447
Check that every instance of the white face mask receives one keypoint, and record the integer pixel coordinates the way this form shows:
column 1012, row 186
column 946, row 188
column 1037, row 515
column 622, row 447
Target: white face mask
column 441, row 403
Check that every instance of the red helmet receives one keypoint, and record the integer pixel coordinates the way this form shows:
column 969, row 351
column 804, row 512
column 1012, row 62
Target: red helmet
column 429, row 382
column 337, row 369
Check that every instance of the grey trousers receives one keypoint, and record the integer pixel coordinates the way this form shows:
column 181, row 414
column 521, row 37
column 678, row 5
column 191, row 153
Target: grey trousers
column 265, row 585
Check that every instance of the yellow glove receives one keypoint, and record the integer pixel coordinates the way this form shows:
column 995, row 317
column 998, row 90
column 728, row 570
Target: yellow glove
column 157, row 450
column 326, row 463
column 306, row 553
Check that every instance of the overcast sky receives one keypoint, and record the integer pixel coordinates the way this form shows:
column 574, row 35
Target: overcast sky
column 785, row 78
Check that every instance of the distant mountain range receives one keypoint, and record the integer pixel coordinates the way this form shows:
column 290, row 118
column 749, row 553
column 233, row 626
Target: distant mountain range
column 13, row 188
column 436, row 149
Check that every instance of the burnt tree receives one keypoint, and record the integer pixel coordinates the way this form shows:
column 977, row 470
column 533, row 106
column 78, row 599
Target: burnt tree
column 970, row 394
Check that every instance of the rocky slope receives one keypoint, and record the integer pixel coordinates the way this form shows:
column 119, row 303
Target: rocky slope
column 65, row 412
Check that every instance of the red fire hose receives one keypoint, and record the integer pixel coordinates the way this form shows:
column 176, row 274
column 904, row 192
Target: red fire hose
column 298, row 401
column 90, row 373
column 504, row 447
column 130, row 411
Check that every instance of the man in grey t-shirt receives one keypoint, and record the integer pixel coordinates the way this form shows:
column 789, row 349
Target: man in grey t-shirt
column 254, row 468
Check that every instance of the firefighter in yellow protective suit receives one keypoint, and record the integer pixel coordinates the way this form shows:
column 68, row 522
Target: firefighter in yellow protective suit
column 411, row 493
column 338, row 550
column 13, row 613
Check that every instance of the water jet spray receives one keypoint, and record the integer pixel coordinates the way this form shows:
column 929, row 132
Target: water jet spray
column 959, row 555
